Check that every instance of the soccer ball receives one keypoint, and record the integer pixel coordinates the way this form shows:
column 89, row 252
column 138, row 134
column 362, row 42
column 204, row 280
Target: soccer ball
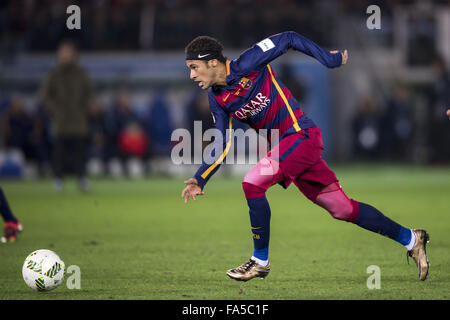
column 43, row 270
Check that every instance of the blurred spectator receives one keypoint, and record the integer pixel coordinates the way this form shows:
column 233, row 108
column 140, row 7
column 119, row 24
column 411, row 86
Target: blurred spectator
column 17, row 129
column 43, row 139
column 125, row 134
column 67, row 93
column 366, row 131
column 133, row 141
column 440, row 101
column 97, row 132
column 26, row 132
column 198, row 110
column 398, row 125
column 160, row 126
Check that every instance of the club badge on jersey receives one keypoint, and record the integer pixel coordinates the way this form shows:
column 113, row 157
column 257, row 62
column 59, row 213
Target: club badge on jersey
column 245, row 83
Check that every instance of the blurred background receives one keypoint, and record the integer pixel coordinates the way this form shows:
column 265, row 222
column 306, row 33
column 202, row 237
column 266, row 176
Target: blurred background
column 387, row 105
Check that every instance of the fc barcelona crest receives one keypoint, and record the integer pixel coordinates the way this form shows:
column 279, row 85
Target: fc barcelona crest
column 245, row 83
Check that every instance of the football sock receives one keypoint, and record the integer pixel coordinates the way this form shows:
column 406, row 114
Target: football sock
column 260, row 224
column 5, row 211
column 260, row 262
column 371, row 219
column 412, row 242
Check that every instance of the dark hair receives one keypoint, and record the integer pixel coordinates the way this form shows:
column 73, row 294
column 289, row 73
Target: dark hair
column 206, row 44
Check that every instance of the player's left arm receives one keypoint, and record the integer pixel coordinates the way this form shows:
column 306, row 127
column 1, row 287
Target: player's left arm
column 192, row 189
column 448, row 113
column 274, row 46
column 223, row 123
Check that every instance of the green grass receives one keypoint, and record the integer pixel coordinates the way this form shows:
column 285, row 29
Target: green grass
column 138, row 240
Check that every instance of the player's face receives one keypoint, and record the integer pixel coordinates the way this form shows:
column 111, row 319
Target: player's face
column 202, row 73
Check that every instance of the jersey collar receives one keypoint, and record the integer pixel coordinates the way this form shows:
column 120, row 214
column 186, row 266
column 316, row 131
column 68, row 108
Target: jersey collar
column 230, row 81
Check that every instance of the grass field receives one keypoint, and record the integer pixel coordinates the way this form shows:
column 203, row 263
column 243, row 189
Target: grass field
column 138, row 240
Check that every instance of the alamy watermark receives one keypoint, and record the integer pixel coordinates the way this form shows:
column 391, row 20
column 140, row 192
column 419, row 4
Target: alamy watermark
column 374, row 280
column 74, row 280
column 240, row 146
column 74, row 20
column 374, row 20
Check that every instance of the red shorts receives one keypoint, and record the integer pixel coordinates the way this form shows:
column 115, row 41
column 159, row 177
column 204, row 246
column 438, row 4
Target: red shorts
column 299, row 157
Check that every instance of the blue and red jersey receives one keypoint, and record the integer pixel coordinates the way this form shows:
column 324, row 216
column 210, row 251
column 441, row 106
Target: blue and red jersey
column 256, row 96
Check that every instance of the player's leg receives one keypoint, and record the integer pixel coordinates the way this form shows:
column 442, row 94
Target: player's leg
column 261, row 177
column 5, row 210
column 12, row 225
column 269, row 171
column 256, row 182
column 332, row 198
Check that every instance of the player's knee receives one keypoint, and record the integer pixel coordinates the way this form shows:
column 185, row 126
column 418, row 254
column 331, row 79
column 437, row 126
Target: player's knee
column 257, row 180
column 337, row 204
column 343, row 211
column 253, row 191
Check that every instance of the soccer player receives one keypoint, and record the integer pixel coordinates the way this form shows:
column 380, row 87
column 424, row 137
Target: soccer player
column 12, row 225
column 249, row 90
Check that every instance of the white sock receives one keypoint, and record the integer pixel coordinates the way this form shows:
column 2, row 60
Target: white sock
column 412, row 242
column 260, row 262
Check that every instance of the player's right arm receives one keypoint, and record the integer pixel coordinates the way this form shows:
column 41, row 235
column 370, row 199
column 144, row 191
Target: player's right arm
column 223, row 123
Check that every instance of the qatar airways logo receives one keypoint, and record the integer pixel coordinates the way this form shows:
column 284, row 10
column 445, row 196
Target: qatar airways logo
column 258, row 103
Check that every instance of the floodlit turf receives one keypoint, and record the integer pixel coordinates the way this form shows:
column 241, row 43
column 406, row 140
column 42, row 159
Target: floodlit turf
column 138, row 240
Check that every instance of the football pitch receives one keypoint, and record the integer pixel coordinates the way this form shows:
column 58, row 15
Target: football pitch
column 138, row 240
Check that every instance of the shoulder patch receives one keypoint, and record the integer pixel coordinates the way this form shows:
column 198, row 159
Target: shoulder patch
column 266, row 45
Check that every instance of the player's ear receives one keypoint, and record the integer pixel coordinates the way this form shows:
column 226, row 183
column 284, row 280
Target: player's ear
column 213, row 63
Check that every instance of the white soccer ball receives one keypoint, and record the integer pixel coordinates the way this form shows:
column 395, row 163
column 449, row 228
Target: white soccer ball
column 43, row 270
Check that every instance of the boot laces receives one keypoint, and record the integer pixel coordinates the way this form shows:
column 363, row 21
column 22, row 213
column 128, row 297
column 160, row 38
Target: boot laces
column 246, row 266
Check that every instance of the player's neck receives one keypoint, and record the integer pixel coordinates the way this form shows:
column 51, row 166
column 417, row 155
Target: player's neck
column 221, row 79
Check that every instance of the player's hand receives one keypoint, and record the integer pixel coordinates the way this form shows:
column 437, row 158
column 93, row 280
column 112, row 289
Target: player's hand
column 448, row 113
column 192, row 190
column 344, row 55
